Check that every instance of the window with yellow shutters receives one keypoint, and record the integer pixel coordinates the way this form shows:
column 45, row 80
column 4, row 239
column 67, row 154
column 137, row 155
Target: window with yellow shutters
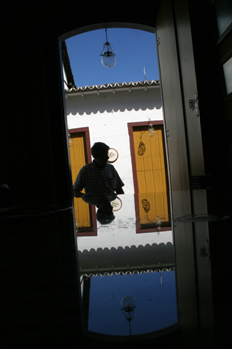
column 150, row 176
column 79, row 156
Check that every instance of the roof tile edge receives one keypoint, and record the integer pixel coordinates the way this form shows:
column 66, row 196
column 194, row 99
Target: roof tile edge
column 114, row 85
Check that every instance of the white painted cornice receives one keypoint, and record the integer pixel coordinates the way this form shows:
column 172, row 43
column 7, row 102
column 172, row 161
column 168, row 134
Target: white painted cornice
column 113, row 88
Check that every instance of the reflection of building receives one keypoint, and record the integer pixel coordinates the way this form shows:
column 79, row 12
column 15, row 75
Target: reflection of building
column 131, row 258
column 39, row 269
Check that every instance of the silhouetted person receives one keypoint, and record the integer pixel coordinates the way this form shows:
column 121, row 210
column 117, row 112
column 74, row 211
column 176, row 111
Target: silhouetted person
column 99, row 179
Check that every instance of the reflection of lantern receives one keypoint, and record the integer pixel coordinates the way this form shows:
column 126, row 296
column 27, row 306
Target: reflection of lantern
column 77, row 225
column 70, row 140
column 151, row 130
column 158, row 222
column 128, row 306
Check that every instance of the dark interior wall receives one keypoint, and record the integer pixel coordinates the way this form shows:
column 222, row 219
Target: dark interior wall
column 38, row 244
column 32, row 90
column 40, row 267
column 25, row 152
column 216, row 126
column 40, row 305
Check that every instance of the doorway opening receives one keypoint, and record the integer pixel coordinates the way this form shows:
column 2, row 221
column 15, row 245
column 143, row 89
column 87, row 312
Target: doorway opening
column 111, row 107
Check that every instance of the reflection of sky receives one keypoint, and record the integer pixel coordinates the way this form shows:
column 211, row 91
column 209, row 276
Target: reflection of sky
column 155, row 303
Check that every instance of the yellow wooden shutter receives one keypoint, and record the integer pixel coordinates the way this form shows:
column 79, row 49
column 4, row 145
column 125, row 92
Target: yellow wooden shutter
column 78, row 160
column 151, row 175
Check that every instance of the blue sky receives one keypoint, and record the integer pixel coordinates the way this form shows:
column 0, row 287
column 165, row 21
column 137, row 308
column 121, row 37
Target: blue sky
column 134, row 49
column 155, row 303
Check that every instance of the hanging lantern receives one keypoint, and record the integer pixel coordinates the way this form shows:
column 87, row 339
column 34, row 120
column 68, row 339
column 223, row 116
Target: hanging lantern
column 108, row 57
column 151, row 130
column 70, row 140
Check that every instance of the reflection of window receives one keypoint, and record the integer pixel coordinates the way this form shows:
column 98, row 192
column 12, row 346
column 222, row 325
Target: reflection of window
column 227, row 69
column 223, row 9
column 150, row 176
column 79, row 156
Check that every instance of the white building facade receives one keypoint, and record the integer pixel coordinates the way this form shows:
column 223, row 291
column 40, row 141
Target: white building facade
column 107, row 111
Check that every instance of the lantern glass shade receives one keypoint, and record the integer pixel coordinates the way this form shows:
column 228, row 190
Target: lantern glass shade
column 151, row 130
column 108, row 59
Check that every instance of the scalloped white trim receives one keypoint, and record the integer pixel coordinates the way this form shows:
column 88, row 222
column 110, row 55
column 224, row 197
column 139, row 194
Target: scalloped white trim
column 126, row 272
column 116, row 84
